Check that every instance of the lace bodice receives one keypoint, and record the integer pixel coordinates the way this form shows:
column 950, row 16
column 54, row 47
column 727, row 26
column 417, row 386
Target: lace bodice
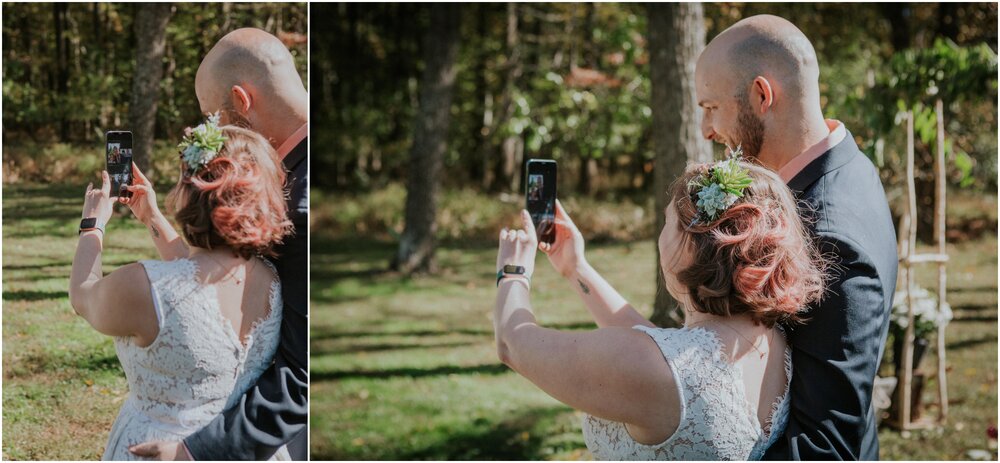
column 716, row 420
column 196, row 367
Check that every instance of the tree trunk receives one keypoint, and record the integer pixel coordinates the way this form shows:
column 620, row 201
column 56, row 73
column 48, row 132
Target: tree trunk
column 62, row 64
column 430, row 140
column 507, row 161
column 676, row 38
column 899, row 16
column 150, row 33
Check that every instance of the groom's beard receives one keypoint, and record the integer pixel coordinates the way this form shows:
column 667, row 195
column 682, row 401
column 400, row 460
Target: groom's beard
column 231, row 117
column 749, row 128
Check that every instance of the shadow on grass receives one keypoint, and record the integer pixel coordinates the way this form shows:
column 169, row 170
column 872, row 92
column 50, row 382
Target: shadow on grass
column 355, row 348
column 488, row 369
column 317, row 335
column 508, row 440
column 965, row 343
column 321, row 336
column 34, row 295
column 78, row 362
column 479, row 439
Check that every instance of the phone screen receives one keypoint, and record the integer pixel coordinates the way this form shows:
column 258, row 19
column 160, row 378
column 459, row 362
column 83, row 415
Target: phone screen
column 119, row 156
column 540, row 197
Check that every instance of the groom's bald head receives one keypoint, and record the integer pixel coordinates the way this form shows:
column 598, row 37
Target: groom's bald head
column 250, row 76
column 769, row 46
column 757, row 81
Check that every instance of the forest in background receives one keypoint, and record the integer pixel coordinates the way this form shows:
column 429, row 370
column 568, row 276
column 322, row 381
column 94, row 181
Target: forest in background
column 72, row 71
column 572, row 82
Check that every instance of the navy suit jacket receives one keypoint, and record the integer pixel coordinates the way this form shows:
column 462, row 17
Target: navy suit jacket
column 275, row 409
column 836, row 353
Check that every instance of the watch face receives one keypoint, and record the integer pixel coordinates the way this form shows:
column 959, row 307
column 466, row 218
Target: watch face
column 513, row 269
column 89, row 222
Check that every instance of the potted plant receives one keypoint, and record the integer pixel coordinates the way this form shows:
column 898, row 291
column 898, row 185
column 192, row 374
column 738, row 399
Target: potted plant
column 926, row 320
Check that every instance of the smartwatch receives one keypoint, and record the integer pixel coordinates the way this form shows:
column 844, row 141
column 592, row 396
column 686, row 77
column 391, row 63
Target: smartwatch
column 511, row 270
column 90, row 224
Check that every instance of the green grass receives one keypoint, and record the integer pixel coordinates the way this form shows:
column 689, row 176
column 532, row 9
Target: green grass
column 62, row 383
column 405, row 368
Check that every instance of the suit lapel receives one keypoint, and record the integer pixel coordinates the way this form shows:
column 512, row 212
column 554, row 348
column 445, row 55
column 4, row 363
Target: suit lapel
column 828, row 161
column 297, row 155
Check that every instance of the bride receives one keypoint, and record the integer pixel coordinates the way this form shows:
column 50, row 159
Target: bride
column 194, row 330
column 735, row 255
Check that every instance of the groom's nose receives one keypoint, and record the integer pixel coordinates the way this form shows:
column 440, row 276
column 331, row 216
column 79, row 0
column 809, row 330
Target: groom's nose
column 708, row 132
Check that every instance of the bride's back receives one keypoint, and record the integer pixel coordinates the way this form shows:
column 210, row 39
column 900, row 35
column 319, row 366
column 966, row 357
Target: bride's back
column 198, row 363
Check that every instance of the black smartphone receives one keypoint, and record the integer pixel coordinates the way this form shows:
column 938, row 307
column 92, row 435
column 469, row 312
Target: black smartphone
column 118, row 149
column 540, row 197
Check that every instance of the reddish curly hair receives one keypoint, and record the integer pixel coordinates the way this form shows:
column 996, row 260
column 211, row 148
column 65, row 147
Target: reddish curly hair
column 755, row 258
column 237, row 200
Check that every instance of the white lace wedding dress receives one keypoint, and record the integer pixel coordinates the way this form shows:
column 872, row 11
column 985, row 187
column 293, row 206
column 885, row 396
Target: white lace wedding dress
column 717, row 422
column 196, row 367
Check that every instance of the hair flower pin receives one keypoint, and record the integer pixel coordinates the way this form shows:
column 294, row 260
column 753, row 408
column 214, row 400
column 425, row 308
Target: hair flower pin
column 201, row 144
column 719, row 187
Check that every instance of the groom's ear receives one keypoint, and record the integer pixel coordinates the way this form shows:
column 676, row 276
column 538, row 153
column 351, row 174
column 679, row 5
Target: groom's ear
column 763, row 97
column 241, row 99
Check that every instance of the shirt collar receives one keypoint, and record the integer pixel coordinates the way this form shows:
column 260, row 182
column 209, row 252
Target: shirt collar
column 292, row 141
column 793, row 167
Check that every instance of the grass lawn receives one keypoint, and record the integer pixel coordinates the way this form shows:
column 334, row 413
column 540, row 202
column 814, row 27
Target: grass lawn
column 405, row 368
column 62, row 383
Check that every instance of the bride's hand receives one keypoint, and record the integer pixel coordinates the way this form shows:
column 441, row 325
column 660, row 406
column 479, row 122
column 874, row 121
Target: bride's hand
column 143, row 200
column 518, row 247
column 97, row 202
column 566, row 252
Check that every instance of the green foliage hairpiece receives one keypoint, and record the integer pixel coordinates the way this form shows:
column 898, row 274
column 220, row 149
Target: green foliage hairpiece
column 201, row 144
column 720, row 186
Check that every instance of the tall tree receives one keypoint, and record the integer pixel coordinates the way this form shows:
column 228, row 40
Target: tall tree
column 59, row 12
column 430, row 139
column 150, row 34
column 676, row 37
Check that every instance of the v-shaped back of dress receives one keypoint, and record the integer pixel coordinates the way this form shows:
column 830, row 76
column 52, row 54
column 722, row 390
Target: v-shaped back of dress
column 196, row 366
column 717, row 422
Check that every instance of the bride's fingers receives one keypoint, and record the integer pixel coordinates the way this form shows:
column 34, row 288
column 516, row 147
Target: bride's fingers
column 148, row 450
column 522, row 236
column 136, row 173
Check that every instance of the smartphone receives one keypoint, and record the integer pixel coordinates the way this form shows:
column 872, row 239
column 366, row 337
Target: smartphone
column 118, row 149
column 540, row 197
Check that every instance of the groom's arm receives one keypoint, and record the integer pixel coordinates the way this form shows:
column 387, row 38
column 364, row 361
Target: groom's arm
column 834, row 362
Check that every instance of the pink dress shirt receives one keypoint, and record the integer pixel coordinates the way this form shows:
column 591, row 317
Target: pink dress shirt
column 793, row 167
column 293, row 141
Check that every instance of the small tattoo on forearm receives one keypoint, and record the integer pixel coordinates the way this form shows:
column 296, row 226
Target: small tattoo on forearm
column 584, row 287
column 156, row 233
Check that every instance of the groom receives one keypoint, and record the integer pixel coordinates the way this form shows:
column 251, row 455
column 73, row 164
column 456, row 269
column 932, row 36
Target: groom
column 758, row 84
column 250, row 78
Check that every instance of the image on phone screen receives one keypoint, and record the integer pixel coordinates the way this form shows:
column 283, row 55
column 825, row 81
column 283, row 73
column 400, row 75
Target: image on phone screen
column 119, row 158
column 540, row 197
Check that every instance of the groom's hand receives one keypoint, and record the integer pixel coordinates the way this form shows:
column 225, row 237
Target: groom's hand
column 161, row 450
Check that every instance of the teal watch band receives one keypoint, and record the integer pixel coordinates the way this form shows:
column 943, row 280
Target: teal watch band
column 514, row 270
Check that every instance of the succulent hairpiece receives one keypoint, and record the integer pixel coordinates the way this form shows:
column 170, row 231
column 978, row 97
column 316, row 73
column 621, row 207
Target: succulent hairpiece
column 719, row 187
column 201, row 144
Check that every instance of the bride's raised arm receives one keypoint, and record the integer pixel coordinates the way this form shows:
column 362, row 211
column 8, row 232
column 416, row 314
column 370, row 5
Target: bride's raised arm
column 168, row 242
column 605, row 304
column 119, row 304
column 604, row 372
